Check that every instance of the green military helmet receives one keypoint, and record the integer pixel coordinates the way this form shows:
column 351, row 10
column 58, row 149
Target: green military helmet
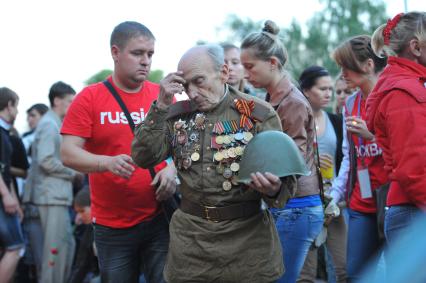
column 273, row 152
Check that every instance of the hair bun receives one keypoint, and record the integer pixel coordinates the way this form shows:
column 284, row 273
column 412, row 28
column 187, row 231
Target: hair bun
column 271, row 27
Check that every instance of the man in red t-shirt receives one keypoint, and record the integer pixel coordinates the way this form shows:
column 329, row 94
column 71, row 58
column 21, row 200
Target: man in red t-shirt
column 129, row 228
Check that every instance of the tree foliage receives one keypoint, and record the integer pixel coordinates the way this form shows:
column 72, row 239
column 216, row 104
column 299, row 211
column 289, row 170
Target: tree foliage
column 154, row 76
column 339, row 20
column 98, row 77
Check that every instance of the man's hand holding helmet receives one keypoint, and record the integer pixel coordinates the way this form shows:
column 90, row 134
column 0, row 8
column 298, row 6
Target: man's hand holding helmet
column 267, row 183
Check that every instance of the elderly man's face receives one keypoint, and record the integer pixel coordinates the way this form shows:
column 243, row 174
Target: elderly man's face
column 204, row 83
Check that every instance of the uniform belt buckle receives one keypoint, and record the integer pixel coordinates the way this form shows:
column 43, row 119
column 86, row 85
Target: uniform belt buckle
column 211, row 214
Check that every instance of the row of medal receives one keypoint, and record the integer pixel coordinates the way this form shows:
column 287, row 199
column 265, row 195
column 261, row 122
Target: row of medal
column 229, row 141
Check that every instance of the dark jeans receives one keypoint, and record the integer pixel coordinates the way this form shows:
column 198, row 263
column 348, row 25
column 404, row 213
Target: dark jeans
column 363, row 246
column 121, row 251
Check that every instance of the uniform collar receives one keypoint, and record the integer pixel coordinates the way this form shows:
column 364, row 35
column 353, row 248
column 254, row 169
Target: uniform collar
column 223, row 102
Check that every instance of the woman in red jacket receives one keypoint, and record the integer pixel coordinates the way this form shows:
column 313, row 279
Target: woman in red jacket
column 397, row 114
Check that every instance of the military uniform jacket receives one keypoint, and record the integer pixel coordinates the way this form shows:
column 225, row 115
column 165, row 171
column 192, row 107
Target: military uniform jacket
column 240, row 250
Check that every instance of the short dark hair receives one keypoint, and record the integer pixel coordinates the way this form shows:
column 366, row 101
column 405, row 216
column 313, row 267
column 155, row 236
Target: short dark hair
column 82, row 198
column 128, row 30
column 7, row 95
column 41, row 108
column 59, row 89
column 309, row 76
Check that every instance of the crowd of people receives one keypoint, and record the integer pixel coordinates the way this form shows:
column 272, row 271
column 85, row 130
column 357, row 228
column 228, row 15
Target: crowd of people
column 123, row 183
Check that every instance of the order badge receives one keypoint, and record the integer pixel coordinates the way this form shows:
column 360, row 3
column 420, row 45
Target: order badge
column 364, row 183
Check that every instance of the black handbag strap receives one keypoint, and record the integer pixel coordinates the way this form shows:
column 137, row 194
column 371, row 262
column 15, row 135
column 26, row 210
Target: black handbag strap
column 317, row 166
column 123, row 106
column 121, row 103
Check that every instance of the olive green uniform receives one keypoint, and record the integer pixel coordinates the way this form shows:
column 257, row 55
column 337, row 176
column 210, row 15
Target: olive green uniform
column 239, row 250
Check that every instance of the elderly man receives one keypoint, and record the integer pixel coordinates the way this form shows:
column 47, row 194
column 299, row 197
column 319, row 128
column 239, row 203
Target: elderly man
column 220, row 233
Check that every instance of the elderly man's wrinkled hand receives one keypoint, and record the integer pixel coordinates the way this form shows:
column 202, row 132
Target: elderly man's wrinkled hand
column 169, row 86
column 268, row 184
column 165, row 180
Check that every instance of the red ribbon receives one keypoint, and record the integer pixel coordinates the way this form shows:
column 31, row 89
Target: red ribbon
column 245, row 108
column 390, row 25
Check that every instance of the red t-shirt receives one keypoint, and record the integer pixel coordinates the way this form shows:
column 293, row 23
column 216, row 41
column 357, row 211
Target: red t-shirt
column 372, row 154
column 96, row 116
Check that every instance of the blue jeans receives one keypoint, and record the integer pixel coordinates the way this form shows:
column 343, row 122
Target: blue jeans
column 397, row 219
column 122, row 251
column 297, row 228
column 363, row 243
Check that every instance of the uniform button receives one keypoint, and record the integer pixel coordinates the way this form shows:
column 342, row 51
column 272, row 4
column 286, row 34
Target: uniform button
column 151, row 122
column 276, row 202
column 208, row 147
column 210, row 125
column 208, row 169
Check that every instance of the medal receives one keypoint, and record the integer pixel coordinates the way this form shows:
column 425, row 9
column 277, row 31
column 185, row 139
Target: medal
column 247, row 136
column 227, row 173
column 179, row 124
column 186, row 162
column 226, row 186
column 181, row 138
column 231, row 152
column 219, row 139
column 195, row 156
column 239, row 150
column 225, row 154
column 218, row 156
column 235, row 167
column 226, row 139
column 193, row 137
column 214, row 144
column 239, row 136
column 200, row 120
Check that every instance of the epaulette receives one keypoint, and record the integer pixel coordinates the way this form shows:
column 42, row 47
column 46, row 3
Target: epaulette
column 181, row 107
column 260, row 112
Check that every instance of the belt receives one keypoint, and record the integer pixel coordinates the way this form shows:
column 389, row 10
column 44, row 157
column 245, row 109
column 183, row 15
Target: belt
column 217, row 214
